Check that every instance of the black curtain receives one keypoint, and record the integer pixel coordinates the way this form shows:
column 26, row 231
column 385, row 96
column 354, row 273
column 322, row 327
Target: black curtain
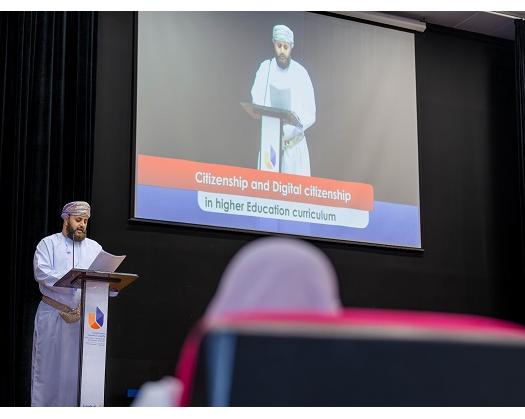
column 47, row 97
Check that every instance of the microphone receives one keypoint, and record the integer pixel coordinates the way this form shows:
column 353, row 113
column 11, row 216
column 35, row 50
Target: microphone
column 264, row 104
column 267, row 80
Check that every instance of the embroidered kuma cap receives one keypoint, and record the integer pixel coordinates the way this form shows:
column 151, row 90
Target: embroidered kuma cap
column 76, row 208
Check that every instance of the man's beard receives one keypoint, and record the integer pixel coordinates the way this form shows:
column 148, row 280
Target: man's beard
column 76, row 235
column 283, row 61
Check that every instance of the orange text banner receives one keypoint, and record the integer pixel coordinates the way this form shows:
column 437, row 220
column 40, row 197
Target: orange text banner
column 218, row 178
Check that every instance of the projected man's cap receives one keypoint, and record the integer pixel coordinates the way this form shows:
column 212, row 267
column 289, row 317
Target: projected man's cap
column 282, row 33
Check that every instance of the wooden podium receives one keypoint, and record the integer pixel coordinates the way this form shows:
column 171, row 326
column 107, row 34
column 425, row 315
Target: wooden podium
column 95, row 287
column 272, row 121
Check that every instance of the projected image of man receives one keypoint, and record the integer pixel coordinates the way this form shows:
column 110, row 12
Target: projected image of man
column 282, row 82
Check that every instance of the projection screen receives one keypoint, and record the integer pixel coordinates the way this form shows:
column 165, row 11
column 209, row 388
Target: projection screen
column 279, row 122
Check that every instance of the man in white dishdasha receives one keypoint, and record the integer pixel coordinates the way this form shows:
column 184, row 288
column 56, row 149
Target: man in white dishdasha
column 54, row 374
column 283, row 73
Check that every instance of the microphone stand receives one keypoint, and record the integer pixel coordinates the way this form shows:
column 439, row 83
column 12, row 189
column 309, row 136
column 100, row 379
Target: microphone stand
column 73, row 240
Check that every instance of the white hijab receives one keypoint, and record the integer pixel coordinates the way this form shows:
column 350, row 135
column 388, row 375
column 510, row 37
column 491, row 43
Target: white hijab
column 276, row 275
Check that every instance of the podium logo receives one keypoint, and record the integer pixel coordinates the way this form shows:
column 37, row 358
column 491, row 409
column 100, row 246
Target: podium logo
column 96, row 320
column 270, row 158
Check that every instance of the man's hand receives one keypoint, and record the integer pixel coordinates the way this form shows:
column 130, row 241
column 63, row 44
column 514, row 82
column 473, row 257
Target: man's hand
column 291, row 136
column 289, row 132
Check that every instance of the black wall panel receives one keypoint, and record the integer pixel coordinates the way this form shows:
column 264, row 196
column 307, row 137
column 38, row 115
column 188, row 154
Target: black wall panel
column 469, row 209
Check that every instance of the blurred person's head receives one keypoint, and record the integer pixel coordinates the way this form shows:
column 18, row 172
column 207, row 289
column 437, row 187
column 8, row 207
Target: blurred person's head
column 278, row 275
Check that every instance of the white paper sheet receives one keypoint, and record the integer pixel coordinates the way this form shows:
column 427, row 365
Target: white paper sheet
column 106, row 262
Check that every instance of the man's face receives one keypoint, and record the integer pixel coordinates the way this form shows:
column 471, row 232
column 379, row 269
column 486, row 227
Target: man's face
column 76, row 227
column 283, row 53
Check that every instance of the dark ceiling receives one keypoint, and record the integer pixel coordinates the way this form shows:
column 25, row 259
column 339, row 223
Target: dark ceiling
column 498, row 24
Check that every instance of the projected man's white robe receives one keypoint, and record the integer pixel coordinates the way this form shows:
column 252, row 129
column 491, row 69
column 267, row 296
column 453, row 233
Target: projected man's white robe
column 296, row 158
column 54, row 375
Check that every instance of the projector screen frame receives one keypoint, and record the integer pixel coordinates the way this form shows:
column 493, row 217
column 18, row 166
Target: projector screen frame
column 203, row 228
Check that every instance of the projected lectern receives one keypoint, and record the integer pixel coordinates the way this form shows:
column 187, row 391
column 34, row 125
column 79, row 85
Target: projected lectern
column 95, row 287
column 272, row 121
